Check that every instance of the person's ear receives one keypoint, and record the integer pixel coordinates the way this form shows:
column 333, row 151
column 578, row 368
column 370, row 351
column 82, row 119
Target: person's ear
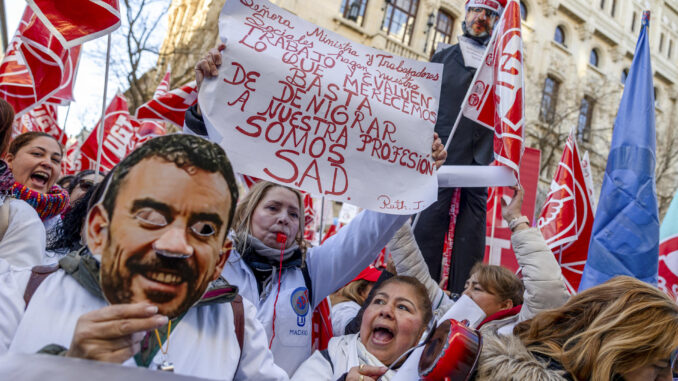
column 506, row 305
column 97, row 229
column 223, row 257
column 9, row 158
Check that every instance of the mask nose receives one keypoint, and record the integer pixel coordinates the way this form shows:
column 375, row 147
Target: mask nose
column 173, row 244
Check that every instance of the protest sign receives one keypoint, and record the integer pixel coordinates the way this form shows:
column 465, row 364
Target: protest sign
column 304, row 107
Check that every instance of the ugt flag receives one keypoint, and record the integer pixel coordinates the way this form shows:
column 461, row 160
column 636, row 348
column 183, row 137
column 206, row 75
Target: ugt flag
column 567, row 217
column 118, row 137
column 170, row 106
column 668, row 250
column 74, row 22
column 495, row 98
column 625, row 238
column 36, row 67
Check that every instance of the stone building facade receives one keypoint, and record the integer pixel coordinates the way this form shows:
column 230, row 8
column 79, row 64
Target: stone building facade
column 577, row 54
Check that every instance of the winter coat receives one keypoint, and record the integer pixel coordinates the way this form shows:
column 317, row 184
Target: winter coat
column 505, row 358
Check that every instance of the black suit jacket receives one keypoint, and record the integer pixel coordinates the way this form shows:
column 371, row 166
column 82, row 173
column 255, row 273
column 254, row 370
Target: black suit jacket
column 472, row 143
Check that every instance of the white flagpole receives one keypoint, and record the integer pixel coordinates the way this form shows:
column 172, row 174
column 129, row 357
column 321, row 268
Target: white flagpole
column 494, row 220
column 322, row 220
column 100, row 132
column 63, row 129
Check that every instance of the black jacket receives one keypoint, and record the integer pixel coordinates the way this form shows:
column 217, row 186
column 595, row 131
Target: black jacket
column 472, row 143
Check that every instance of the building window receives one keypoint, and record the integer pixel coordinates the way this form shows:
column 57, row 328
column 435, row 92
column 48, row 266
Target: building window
column 354, row 10
column 613, row 8
column 656, row 97
column 633, row 22
column 523, row 11
column 661, row 42
column 624, row 75
column 559, row 35
column 443, row 31
column 668, row 54
column 602, row 4
column 584, row 120
column 593, row 57
column 399, row 19
column 549, row 98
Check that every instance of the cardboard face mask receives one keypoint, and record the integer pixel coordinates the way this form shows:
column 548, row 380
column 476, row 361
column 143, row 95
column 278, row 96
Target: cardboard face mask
column 161, row 225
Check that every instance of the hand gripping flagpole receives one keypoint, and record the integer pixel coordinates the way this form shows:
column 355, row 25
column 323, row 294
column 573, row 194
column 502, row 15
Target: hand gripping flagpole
column 100, row 132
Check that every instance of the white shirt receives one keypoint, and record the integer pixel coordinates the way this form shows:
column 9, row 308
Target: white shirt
column 202, row 344
column 23, row 244
column 330, row 266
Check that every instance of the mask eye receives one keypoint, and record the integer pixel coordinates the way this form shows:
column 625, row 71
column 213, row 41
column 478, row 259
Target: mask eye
column 204, row 228
column 150, row 217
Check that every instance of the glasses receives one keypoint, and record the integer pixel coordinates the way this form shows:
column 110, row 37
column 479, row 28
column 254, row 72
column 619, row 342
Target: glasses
column 488, row 13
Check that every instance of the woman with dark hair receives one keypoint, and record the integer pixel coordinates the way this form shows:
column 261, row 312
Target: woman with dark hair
column 22, row 233
column 393, row 322
column 82, row 182
column 67, row 236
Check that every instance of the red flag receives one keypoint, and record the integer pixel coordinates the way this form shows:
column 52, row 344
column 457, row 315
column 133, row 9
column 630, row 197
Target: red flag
column 36, row 68
column 118, row 137
column 567, row 217
column 170, row 106
column 321, row 326
column 495, row 98
column 498, row 250
column 163, row 87
column 145, row 131
column 74, row 22
column 42, row 118
column 71, row 163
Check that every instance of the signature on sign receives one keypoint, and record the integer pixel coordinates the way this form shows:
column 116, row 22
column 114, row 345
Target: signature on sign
column 386, row 203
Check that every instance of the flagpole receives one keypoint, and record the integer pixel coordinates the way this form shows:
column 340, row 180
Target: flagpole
column 100, row 132
column 322, row 219
column 494, row 220
column 63, row 129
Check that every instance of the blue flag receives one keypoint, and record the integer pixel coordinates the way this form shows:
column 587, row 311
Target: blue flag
column 625, row 237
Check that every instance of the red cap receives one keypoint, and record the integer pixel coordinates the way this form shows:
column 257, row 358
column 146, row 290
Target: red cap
column 493, row 5
column 370, row 274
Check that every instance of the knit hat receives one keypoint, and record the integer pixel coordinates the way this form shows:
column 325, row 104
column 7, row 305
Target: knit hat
column 493, row 5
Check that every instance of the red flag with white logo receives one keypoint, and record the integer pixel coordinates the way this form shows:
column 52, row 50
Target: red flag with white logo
column 42, row 118
column 36, row 67
column 164, row 86
column 170, row 106
column 74, row 22
column 496, row 97
column 118, row 138
column 566, row 219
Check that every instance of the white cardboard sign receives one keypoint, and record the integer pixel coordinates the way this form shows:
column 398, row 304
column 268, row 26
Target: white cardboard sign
column 302, row 106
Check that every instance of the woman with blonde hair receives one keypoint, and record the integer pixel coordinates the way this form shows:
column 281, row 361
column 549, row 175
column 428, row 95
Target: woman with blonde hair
column 623, row 329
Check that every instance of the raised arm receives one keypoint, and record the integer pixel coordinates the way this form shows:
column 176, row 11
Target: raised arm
column 542, row 277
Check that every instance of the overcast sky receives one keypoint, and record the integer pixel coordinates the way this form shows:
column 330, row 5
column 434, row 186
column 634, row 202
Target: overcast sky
column 89, row 84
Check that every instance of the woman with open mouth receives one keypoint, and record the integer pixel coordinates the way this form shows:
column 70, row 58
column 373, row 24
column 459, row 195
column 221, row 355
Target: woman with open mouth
column 35, row 161
column 393, row 322
column 26, row 197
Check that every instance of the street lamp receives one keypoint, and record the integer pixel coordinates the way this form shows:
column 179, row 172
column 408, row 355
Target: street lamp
column 429, row 25
column 354, row 10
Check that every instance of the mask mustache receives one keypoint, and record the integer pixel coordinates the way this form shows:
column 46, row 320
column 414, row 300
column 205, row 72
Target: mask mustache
column 178, row 266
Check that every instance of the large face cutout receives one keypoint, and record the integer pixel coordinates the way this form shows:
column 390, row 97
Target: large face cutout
column 165, row 241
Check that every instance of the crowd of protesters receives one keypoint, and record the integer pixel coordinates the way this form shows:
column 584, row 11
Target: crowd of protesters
column 162, row 263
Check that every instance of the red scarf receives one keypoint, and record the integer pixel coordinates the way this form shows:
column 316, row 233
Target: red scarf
column 501, row 314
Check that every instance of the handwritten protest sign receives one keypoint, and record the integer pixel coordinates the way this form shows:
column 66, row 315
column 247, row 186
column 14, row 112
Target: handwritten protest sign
column 305, row 107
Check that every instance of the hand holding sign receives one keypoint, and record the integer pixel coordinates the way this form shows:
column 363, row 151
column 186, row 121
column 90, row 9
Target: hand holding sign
column 304, row 107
